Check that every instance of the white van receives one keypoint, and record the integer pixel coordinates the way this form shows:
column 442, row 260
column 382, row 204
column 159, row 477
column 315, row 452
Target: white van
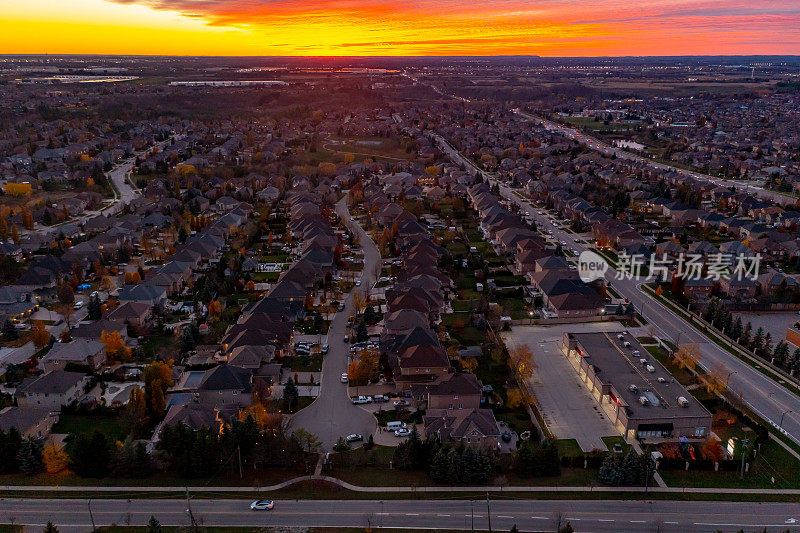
column 394, row 426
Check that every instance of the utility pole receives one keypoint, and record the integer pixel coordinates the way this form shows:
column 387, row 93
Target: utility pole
column 239, row 453
column 472, row 515
column 91, row 516
column 488, row 512
column 189, row 512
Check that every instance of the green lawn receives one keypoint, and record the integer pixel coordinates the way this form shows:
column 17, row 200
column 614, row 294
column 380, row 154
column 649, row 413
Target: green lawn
column 568, row 448
column 312, row 363
column 611, row 441
column 110, row 426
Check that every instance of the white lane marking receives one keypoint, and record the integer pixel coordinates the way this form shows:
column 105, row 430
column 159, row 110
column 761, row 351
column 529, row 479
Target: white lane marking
column 670, row 522
column 637, row 521
column 412, row 514
column 504, row 516
column 442, row 515
column 604, row 520
column 539, row 517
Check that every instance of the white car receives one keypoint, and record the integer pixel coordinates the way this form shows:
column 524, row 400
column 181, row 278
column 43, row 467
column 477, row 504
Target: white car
column 362, row 399
column 344, row 378
column 402, row 432
column 358, row 283
column 262, row 505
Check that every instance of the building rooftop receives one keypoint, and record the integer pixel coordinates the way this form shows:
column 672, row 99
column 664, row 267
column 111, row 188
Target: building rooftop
column 620, row 366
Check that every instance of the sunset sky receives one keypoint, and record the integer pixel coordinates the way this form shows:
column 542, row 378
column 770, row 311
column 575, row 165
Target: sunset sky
column 400, row 27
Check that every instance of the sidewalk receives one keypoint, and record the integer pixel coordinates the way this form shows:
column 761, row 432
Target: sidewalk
column 356, row 488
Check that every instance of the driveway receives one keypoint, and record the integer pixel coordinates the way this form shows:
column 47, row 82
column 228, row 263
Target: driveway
column 332, row 414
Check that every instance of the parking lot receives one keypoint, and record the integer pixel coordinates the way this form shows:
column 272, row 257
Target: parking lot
column 566, row 406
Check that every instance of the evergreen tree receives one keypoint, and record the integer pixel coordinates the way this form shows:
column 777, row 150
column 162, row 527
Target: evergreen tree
column 95, row 308
column 10, row 444
column 744, row 339
column 50, row 528
column 142, row 465
column 188, row 341
column 10, row 333
column 766, row 348
column 440, row 465
column 632, row 471
column 453, row 466
column 290, row 394
column 736, row 329
column 611, row 472
column 90, row 456
column 758, row 340
column 153, row 525
column 30, row 456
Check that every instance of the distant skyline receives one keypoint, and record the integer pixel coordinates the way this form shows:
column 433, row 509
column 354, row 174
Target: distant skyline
column 400, row 27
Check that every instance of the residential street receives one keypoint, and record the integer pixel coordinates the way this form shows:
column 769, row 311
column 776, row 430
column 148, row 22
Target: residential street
column 333, row 415
column 528, row 515
column 765, row 396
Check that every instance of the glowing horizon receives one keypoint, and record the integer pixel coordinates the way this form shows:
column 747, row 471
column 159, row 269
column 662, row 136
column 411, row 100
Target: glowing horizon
column 399, row 27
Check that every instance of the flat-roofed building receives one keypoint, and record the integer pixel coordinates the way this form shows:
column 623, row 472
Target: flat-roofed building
column 640, row 396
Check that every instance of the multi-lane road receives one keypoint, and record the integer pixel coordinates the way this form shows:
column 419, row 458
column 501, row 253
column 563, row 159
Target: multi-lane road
column 771, row 400
column 416, row 515
column 332, row 414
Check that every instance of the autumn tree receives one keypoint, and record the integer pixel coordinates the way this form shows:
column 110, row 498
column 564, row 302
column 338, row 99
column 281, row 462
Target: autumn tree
column 39, row 334
column 65, row 293
column 55, row 458
column 359, row 301
column 469, row 364
column 520, row 360
column 514, row 398
column 687, row 356
column 115, row 345
column 157, row 378
column 135, row 412
column 27, row 218
column 715, row 379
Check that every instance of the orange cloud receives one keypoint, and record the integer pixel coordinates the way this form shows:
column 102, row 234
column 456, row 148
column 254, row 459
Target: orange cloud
column 411, row 27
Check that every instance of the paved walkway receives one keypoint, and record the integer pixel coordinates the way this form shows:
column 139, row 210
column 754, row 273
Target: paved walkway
column 358, row 488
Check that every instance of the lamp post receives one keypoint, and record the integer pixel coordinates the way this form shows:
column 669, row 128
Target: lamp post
column 780, row 426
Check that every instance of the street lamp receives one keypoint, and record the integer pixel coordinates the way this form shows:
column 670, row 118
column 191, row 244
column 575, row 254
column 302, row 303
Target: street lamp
column 780, row 426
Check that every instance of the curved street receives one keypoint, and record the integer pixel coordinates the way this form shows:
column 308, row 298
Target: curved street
column 332, row 414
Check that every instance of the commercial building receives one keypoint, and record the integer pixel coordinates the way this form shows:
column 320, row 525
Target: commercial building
column 638, row 394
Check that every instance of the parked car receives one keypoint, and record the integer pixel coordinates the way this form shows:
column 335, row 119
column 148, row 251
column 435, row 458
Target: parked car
column 344, row 378
column 78, row 305
column 506, row 436
column 380, row 398
column 355, row 437
column 262, row 505
column 400, row 403
column 362, row 399
column 325, row 349
column 402, row 432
